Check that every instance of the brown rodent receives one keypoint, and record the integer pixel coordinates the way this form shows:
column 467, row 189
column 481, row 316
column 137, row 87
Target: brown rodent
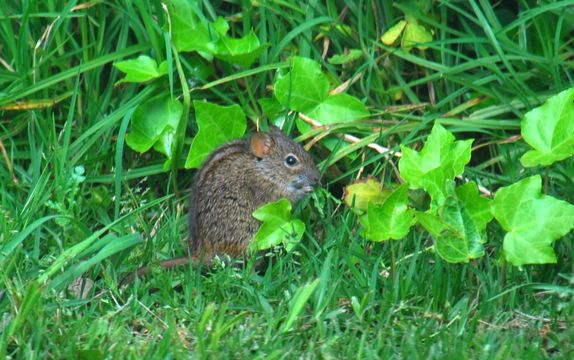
column 236, row 179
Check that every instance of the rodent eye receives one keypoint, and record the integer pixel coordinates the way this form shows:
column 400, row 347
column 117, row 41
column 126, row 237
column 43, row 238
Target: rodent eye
column 291, row 160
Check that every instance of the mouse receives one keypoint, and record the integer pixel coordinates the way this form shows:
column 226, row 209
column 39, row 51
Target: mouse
column 236, row 179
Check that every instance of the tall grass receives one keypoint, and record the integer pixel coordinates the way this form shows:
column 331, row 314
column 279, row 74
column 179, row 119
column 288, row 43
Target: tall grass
column 75, row 201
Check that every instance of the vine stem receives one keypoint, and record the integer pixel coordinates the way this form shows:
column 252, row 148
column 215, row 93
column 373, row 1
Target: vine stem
column 182, row 126
column 393, row 265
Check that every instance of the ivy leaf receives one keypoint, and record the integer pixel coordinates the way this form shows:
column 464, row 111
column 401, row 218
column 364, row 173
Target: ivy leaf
column 242, row 51
column 415, row 35
column 220, row 26
column 391, row 220
column 277, row 227
column 198, row 68
column 142, row 69
column 354, row 54
column 217, row 125
column 362, row 192
column 165, row 142
column 271, row 107
column 304, row 87
column 155, row 121
column 338, row 108
column 441, row 159
column 477, row 205
column 533, row 221
column 334, row 109
column 188, row 32
column 459, row 225
column 549, row 129
column 392, row 34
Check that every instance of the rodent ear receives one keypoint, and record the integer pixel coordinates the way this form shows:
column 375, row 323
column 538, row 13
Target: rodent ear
column 261, row 144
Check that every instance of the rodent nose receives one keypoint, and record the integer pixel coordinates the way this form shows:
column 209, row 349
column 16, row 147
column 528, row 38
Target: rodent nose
column 315, row 177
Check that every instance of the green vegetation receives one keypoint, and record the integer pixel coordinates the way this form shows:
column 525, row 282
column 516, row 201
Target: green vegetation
column 105, row 105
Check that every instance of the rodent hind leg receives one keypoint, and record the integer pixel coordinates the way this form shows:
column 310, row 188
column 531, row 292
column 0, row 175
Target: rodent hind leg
column 145, row 270
column 203, row 258
column 197, row 261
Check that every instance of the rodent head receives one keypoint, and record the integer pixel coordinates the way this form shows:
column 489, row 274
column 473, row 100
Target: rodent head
column 284, row 163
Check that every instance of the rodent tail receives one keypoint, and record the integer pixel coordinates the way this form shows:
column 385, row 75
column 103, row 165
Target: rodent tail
column 166, row 264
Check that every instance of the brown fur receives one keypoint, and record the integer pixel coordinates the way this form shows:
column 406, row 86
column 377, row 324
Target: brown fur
column 235, row 180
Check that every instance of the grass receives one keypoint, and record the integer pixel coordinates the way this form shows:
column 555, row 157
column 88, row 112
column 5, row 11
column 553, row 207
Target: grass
column 75, row 201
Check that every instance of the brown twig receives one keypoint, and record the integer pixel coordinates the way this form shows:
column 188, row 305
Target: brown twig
column 339, row 89
column 510, row 140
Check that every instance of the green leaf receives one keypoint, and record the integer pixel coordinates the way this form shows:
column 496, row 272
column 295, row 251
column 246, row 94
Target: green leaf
column 217, row 125
column 431, row 223
column 297, row 303
column 304, row 87
column 199, row 68
column 338, row 108
column 188, row 32
column 242, row 51
column 277, row 227
column 441, row 159
column 165, row 142
column 154, row 120
column 209, row 38
column 391, row 35
column 277, row 212
column 271, row 107
column 354, row 54
column 344, row 30
column 459, row 225
column 477, row 205
column 533, row 221
column 362, row 192
column 392, row 219
column 141, row 69
column 221, row 26
column 549, row 129
column 415, row 35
